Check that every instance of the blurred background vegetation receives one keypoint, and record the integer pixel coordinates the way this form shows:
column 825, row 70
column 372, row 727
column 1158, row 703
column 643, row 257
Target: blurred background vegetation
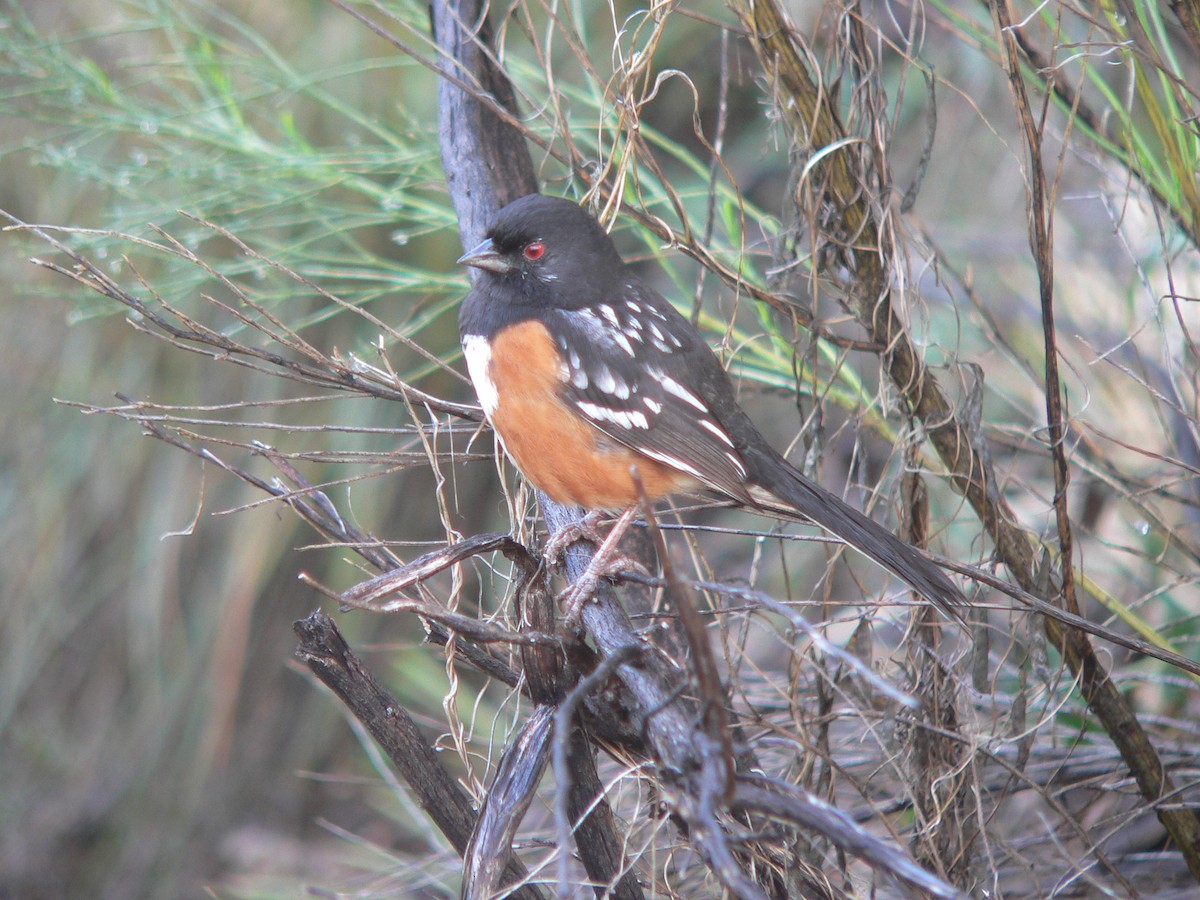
column 154, row 736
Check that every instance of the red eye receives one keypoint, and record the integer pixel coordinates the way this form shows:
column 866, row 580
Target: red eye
column 534, row 250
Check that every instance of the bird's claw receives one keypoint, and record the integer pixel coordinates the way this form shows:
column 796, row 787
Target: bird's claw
column 586, row 529
column 608, row 563
column 611, row 567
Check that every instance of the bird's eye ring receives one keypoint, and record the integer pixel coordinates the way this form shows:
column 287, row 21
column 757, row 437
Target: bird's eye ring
column 534, row 250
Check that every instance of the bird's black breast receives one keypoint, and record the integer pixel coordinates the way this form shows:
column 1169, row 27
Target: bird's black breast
column 490, row 307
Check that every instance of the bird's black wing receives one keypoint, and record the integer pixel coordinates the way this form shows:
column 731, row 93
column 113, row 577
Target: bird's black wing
column 643, row 375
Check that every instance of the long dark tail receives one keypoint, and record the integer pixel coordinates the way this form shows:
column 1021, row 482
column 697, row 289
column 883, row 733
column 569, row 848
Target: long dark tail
column 780, row 489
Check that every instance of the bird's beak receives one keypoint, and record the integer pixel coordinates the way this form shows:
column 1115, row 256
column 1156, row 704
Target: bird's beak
column 485, row 256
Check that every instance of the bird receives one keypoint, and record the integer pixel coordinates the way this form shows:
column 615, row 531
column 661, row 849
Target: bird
column 588, row 375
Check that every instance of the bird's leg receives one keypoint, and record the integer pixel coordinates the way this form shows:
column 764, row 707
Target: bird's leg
column 607, row 562
column 586, row 529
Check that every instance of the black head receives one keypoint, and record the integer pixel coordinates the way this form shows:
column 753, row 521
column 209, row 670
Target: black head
column 548, row 250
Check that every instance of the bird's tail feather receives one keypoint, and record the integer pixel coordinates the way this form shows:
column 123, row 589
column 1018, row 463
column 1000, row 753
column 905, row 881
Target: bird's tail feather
column 779, row 488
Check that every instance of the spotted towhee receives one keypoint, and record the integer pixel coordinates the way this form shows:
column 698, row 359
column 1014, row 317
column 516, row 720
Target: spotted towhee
column 584, row 371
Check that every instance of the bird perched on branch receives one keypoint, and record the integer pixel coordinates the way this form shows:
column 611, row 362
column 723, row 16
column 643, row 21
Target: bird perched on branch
column 584, row 371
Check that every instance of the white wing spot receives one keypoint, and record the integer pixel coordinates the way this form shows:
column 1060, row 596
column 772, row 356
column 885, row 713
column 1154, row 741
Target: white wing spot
column 737, row 464
column 627, row 419
column 622, row 341
column 605, row 380
column 663, row 339
column 595, row 411
column 671, row 386
column 609, row 313
column 716, row 429
column 653, row 405
column 479, row 360
column 673, row 462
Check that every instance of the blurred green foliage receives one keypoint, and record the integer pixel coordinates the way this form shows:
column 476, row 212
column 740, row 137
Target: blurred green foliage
column 154, row 738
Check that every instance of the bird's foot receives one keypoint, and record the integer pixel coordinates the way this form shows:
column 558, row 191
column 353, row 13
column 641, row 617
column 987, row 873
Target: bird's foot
column 586, row 529
column 609, row 562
